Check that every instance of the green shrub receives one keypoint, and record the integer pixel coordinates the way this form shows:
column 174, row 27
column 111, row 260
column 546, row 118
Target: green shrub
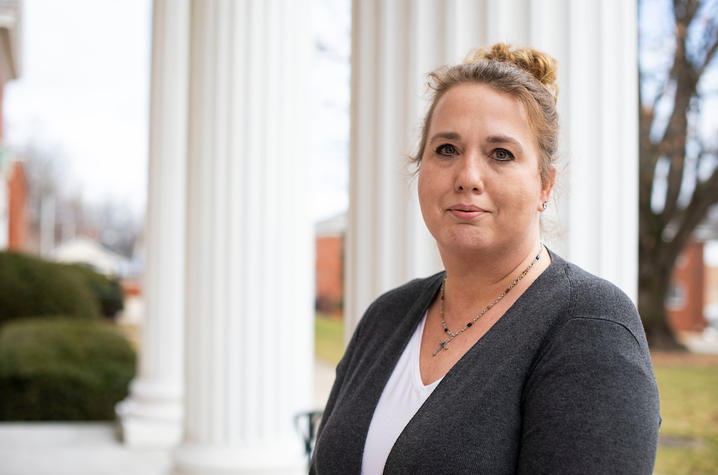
column 106, row 290
column 62, row 369
column 30, row 286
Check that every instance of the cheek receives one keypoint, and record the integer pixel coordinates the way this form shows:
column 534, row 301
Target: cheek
column 424, row 188
column 519, row 197
column 429, row 194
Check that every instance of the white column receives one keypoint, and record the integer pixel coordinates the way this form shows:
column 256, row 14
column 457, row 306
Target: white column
column 152, row 414
column 600, row 119
column 592, row 221
column 249, row 292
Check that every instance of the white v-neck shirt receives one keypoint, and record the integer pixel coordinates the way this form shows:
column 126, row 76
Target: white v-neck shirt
column 403, row 395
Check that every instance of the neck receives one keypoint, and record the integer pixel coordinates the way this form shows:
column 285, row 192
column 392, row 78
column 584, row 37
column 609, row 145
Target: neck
column 473, row 281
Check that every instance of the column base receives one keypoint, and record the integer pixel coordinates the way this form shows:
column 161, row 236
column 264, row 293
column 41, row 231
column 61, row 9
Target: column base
column 276, row 459
column 151, row 417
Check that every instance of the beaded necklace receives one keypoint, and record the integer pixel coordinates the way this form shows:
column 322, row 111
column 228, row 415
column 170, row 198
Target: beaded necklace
column 444, row 344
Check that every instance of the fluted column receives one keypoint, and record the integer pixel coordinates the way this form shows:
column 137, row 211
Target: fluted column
column 593, row 219
column 152, row 414
column 249, row 250
column 601, row 140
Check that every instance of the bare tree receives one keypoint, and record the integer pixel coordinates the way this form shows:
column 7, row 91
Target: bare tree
column 111, row 222
column 44, row 167
column 118, row 227
column 678, row 173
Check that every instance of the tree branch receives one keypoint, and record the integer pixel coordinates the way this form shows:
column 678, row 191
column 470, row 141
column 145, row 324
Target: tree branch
column 685, row 10
column 710, row 43
column 673, row 142
column 711, row 51
column 704, row 196
column 648, row 154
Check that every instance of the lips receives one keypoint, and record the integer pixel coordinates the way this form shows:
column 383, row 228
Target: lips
column 466, row 211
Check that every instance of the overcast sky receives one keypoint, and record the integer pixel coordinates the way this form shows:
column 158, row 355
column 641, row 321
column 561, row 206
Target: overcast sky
column 83, row 91
column 83, row 95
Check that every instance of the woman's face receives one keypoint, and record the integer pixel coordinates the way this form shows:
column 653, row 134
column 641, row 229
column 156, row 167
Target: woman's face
column 479, row 182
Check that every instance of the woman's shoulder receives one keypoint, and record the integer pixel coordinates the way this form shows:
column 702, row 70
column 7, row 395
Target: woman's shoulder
column 590, row 384
column 594, row 298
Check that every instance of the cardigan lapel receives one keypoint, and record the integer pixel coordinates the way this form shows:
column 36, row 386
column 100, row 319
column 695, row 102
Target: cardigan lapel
column 384, row 361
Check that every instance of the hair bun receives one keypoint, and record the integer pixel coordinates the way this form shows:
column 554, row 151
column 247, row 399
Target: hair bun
column 540, row 65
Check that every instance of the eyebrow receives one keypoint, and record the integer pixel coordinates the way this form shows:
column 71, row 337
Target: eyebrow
column 499, row 139
column 445, row 135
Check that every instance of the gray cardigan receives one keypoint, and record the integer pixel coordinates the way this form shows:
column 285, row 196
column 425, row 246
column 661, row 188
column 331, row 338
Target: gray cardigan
column 562, row 383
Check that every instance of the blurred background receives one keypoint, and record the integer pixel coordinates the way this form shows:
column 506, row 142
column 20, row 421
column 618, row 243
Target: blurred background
column 198, row 200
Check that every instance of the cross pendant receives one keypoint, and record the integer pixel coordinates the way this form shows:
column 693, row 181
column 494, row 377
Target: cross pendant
column 442, row 346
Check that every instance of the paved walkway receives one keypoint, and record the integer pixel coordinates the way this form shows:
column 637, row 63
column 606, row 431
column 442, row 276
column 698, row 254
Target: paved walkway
column 92, row 448
column 704, row 343
column 83, row 448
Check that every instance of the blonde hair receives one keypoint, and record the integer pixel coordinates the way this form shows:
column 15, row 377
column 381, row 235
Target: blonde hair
column 525, row 73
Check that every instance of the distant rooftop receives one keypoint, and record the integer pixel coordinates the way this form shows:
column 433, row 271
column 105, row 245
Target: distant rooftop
column 336, row 224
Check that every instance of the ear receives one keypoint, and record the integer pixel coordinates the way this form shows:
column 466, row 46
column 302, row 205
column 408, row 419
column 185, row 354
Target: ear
column 546, row 190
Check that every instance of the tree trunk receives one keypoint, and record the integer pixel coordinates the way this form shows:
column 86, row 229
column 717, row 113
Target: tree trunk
column 653, row 283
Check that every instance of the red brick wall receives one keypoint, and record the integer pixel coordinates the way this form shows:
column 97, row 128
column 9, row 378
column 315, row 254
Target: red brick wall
column 685, row 303
column 17, row 209
column 330, row 272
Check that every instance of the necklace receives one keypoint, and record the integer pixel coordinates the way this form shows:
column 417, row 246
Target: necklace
column 444, row 344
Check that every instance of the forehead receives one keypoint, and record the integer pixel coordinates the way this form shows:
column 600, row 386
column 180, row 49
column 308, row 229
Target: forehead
column 474, row 108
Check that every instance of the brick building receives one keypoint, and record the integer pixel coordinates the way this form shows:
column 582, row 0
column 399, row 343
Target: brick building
column 13, row 186
column 329, row 242
column 686, row 297
column 17, row 208
column 694, row 287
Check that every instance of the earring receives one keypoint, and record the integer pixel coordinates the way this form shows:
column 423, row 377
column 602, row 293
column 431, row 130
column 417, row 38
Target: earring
column 545, row 205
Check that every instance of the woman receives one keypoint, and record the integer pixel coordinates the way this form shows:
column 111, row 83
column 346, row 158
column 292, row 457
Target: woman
column 512, row 360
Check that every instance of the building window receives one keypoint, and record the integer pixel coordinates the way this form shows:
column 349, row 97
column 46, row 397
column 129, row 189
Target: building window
column 676, row 297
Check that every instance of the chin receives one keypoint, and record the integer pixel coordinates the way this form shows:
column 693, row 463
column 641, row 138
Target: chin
column 465, row 241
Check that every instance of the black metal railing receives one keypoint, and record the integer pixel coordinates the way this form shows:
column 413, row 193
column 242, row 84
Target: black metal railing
column 306, row 424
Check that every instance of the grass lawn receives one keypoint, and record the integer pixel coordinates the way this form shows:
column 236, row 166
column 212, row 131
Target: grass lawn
column 688, row 385
column 328, row 338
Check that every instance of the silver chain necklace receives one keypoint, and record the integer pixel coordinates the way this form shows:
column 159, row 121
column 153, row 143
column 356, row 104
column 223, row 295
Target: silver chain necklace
column 444, row 344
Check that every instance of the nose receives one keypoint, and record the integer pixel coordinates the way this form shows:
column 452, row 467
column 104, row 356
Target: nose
column 469, row 176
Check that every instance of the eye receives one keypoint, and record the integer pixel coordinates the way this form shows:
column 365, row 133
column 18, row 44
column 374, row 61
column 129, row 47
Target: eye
column 502, row 155
column 447, row 150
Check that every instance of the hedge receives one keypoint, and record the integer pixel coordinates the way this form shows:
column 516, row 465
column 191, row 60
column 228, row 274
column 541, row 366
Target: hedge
column 30, row 286
column 106, row 290
column 62, row 369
